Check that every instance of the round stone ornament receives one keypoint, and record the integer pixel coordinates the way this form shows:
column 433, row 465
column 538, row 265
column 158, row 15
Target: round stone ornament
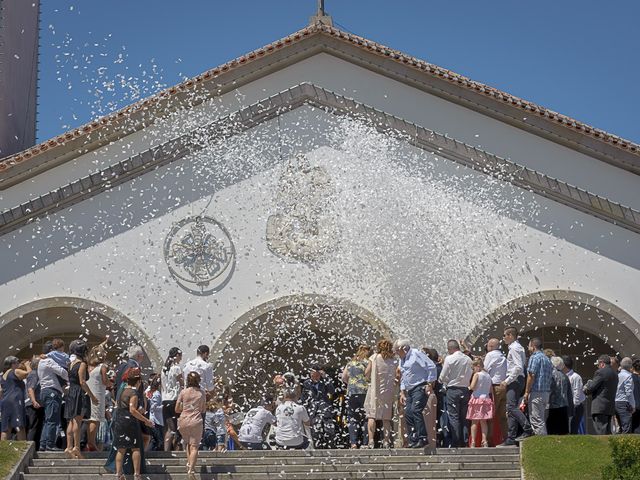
column 200, row 254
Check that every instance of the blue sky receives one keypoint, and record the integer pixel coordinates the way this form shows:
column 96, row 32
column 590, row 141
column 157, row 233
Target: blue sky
column 580, row 58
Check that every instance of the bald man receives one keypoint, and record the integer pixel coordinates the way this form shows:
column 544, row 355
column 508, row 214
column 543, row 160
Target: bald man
column 495, row 363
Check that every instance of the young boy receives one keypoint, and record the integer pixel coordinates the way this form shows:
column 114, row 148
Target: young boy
column 215, row 431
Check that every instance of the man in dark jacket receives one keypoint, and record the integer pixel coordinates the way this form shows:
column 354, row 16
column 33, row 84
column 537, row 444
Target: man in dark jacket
column 635, row 420
column 317, row 396
column 602, row 389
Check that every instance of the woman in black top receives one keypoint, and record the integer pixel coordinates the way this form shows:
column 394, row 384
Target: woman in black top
column 127, row 425
column 76, row 403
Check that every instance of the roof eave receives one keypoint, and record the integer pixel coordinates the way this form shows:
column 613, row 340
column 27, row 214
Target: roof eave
column 302, row 44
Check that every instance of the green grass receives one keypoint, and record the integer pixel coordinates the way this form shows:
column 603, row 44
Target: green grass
column 10, row 454
column 570, row 457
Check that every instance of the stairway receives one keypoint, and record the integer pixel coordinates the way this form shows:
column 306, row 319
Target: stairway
column 479, row 464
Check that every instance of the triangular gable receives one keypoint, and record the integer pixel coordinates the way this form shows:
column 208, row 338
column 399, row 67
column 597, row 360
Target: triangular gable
column 309, row 41
column 295, row 97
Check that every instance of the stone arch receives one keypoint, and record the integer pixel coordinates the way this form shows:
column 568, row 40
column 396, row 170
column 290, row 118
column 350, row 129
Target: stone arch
column 284, row 323
column 564, row 311
column 49, row 317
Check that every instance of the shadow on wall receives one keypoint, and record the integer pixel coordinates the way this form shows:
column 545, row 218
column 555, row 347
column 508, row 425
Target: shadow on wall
column 222, row 164
column 152, row 195
column 25, row 329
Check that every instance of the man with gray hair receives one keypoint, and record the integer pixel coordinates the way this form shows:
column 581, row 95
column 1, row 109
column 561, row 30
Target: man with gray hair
column 560, row 400
column 134, row 357
column 602, row 389
column 456, row 377
column 625, row 401
column 418, row 372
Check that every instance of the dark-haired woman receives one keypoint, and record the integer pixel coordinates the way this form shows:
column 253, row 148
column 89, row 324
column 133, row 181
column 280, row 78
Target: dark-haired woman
column 191, row 405
column 128, row 419
column 13, row 395
column 77, row 405
column 172, row 383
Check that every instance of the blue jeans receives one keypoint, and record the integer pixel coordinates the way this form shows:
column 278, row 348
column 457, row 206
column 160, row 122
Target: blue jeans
column 51, row 400
column 624, row 414
column 457, row 399
column 211, row 440
column 416, row 401
column 357, row 419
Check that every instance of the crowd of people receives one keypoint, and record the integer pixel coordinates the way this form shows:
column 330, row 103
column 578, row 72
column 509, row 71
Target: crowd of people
column 76, row 401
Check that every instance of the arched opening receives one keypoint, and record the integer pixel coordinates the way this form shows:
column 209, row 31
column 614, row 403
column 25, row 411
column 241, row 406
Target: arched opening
column 289, row 335
column 570, row 323
column 25, row 329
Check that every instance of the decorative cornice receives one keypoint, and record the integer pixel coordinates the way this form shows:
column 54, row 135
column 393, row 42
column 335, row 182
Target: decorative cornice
column 450, row 85
column 306, row 93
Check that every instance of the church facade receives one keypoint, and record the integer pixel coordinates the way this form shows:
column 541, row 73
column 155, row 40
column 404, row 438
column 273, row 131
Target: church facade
column 320, row 192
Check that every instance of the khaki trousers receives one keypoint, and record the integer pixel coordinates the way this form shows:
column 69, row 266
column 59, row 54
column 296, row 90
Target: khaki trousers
column 500, row 413
column 430, row 414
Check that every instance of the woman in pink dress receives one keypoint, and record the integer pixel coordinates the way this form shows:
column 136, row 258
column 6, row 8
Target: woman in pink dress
column 191, row 404
column 480, row 408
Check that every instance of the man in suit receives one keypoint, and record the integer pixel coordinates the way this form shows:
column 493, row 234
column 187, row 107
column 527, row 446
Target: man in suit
column 602, row 389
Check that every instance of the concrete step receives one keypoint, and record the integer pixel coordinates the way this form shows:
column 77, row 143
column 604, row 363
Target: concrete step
column 391, row 475
column 204, row 460
column 42, row 470
column 394, row 464
column 313, row 453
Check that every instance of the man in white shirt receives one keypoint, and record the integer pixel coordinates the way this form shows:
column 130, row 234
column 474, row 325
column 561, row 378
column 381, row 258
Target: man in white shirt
column 456, row 376
column 495, row 363
column 579, row 397
column 201, row 365
column 514, row 383
column 291, row 418
column 251, row 432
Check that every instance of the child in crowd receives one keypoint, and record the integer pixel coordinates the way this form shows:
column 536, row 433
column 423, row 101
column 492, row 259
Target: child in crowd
column 59, row 356
column 104, row 432
column 234, row 418
column 215, row 431
column 154, row 395
column 481, row 403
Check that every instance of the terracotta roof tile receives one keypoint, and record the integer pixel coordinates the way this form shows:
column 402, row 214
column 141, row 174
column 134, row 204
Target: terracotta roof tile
column 377, row 48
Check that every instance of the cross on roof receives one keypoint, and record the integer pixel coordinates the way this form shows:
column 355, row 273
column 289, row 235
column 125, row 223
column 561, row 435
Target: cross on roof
column 320, row 8
column 321, row 15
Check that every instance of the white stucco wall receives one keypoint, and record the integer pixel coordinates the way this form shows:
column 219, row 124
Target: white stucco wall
column 375, row 90
column 428, row 246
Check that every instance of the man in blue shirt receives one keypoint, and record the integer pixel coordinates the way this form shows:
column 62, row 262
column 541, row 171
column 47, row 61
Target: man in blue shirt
column 538, row 389
column 625, row 399
column 418, row 371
